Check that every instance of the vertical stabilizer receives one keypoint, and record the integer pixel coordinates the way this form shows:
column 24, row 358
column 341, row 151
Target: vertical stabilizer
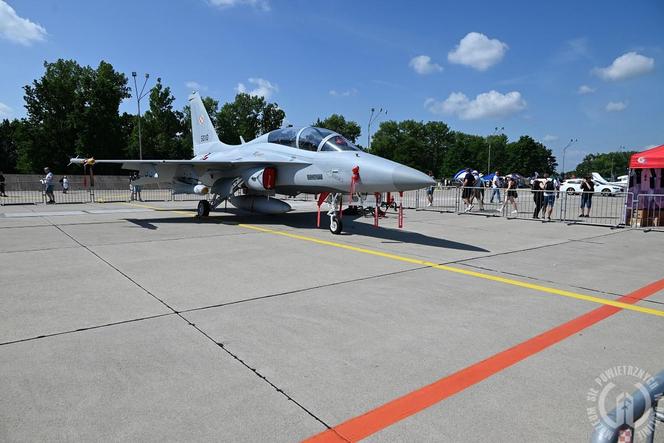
column 204, row 135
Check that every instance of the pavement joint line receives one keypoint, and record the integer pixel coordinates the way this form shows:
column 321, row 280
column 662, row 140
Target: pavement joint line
column 39, row 250
column 261, row 376
column 85, row 328
column 177, row 313
column 495, row 278
column 297, row 291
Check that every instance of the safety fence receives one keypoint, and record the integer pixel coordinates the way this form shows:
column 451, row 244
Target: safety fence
column 647, row 211
column 622, row 209
column 524, row 203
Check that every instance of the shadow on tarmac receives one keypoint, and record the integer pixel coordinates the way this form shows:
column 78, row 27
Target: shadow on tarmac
column 307, row 220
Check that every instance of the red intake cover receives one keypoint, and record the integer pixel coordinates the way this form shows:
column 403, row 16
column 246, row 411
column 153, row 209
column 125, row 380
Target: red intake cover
column 269, row 178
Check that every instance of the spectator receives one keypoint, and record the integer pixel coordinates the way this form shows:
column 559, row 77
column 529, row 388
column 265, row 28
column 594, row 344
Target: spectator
column 538, row 196
column 47, row 181
column 135, row 187
column 2, row 185
column 588, row 189
column 65, row 184
column 496, row 184
column 511, row 194
column 467, row 190
column 430, row 190
column 478, row 190
column 550, row 187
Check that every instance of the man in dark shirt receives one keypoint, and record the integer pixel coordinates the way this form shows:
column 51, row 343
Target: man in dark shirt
column 2, row 185
column 588, row 189
column 467, row 192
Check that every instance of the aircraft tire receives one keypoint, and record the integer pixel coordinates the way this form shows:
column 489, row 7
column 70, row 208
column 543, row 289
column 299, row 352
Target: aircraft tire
column 335, row 225
column 203, row 209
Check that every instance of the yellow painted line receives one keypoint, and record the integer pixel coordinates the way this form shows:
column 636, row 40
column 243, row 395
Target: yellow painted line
column 156, row 208
column 509, row 281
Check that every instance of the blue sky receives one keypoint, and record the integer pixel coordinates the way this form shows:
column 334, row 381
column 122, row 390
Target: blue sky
column 587, row 70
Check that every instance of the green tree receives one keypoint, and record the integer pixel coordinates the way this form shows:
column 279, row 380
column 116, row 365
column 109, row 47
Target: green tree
column 71, row 110
column 161, row 128
column 527, row 156
column 423, row 146
column 248, row 116
column 466, row 151
column 338, row 123
column 8, row 147
column 608, row 164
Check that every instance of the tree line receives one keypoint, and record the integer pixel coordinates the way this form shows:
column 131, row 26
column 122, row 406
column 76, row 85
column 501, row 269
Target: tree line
column 74, row 110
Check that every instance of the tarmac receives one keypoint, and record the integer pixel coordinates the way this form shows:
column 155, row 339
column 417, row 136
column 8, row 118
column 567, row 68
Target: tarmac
column 141, row 322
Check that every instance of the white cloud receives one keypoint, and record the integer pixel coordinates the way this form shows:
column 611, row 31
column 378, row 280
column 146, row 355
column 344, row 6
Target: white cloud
column 585, row 89
column 485, row 105
column 18, row 29
column 478, row 51
column 263, row 88
column 263, row 5
column 549, row 138
column 5, row 111
column 615, row 106
column 627, row 65
column 423, row 65
column 195, row 86
column 347, row 93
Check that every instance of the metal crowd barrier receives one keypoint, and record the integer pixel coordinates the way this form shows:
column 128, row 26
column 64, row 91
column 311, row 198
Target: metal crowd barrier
column 617, row 210
column 648, row 212
column 618, row 425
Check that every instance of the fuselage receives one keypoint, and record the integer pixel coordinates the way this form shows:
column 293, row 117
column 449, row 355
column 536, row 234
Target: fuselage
column 316, row 171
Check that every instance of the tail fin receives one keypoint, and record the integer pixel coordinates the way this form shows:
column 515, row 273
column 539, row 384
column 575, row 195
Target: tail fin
column 203, row 132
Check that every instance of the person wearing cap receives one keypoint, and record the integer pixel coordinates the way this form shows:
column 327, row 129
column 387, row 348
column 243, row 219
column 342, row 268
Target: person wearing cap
column 48, row 183
column 467, row 190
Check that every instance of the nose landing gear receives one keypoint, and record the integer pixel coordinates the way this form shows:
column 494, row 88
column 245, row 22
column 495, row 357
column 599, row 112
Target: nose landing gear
column 336, row 226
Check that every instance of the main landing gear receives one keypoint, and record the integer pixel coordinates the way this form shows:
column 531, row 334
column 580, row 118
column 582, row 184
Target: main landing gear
column 204, row 206
column 203, row 209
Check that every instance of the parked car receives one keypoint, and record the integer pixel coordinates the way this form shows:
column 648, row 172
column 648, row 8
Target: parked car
column 573, row 186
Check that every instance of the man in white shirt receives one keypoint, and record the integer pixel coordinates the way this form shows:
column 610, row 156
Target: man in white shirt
column 48, row 183
column 551, row 186
column 496, row 184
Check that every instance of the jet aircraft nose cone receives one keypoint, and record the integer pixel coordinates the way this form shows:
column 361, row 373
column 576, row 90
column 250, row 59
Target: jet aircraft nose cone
column 405, row 179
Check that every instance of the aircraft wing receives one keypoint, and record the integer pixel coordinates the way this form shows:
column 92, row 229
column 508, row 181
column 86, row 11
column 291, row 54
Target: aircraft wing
column 254, row 159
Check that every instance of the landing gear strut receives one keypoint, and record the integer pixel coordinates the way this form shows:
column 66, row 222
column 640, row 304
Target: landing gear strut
column 203, row 209
column 336, row 226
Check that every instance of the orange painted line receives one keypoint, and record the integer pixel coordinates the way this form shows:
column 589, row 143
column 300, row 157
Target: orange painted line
column 386, row 415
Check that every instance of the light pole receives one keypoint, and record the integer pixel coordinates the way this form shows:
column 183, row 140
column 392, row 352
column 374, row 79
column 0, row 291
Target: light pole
column 488, row 160
column 139, row 97
column 372, row 118
column 570, row 143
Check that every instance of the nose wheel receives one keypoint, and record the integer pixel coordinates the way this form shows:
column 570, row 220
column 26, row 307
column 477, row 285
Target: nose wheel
column 336, row 226
column 203, row 209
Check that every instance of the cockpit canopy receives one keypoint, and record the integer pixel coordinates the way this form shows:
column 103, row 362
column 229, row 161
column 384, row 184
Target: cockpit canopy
column 311, row 138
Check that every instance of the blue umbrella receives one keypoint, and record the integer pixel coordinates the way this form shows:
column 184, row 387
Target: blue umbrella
column 488, row 177
column 459, row 176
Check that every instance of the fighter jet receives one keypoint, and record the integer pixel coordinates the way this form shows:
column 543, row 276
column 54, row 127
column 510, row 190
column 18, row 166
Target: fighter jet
column 287, row 161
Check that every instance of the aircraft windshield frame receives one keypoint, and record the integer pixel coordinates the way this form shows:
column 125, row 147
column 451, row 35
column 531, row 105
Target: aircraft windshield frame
column 311, row 138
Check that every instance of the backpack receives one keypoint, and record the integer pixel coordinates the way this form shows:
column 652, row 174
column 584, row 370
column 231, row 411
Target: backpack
column 549, row 185
column 471, row 178
column 536, row 186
